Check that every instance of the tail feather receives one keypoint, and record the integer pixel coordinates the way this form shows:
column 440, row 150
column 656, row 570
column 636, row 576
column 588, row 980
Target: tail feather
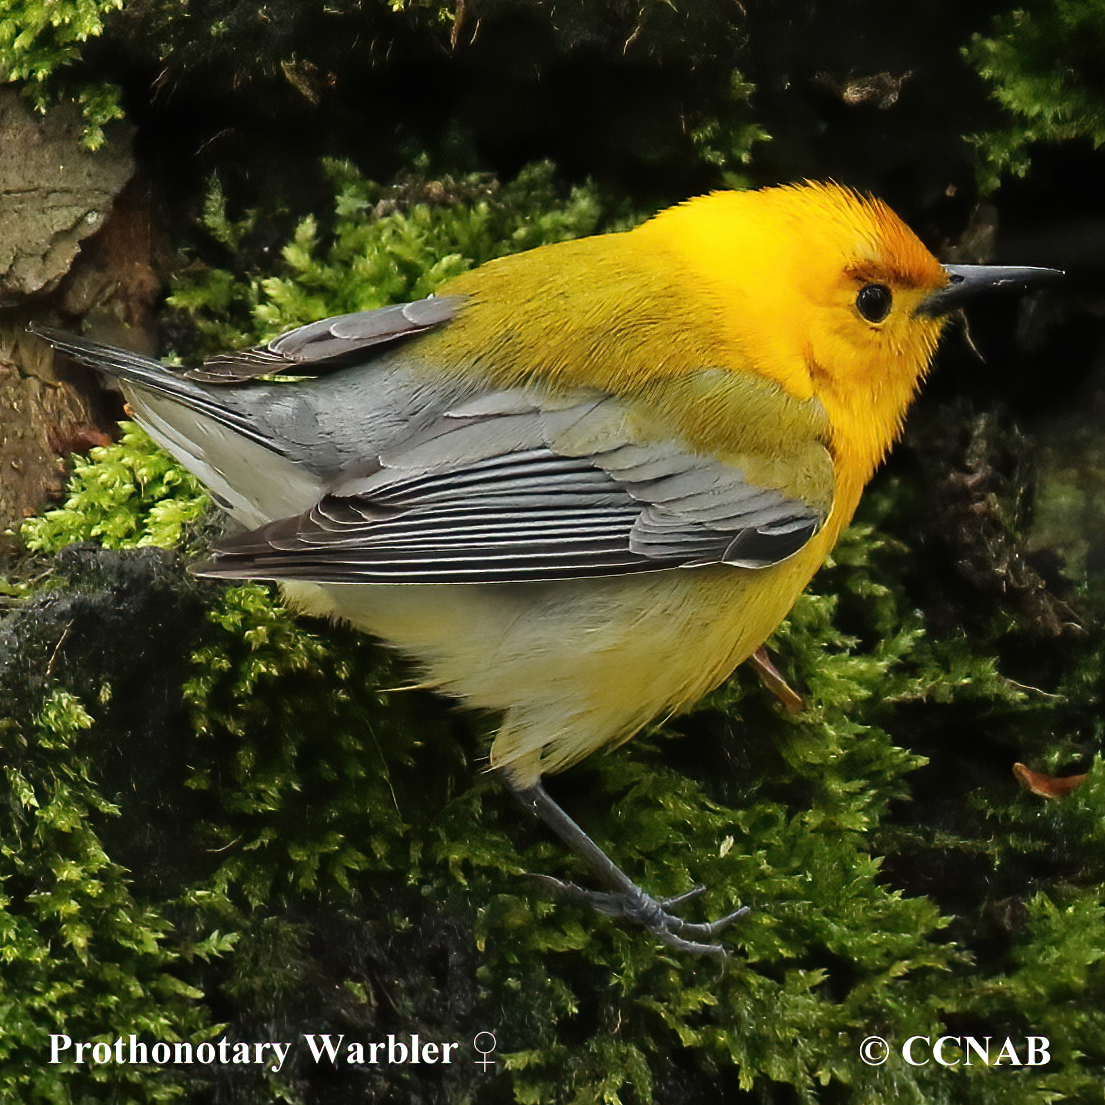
column 147, row 374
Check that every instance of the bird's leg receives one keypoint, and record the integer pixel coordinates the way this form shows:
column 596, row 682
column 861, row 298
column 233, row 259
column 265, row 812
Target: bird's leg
column 625, row 898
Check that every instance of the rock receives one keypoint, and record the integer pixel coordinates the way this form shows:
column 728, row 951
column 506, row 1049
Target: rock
column 53, row 192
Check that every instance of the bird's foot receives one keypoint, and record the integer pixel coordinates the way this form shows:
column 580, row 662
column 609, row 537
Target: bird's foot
column 653, row 914
column 625, row 898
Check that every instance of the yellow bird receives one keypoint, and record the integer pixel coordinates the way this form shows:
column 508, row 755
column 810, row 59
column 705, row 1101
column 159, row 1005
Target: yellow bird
column 583, row 483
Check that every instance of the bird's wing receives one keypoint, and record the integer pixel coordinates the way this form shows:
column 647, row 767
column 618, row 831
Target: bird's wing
column 516, row 486
column 330, row 343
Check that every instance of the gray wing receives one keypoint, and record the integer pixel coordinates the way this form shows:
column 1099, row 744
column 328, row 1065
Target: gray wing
column 514, row 487
column 330, row 343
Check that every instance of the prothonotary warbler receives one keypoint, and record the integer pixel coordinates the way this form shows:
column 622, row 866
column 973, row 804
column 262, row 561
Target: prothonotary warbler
column 583, row 483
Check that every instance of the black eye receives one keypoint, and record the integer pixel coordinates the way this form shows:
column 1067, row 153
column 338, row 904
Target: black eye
column 873, row 302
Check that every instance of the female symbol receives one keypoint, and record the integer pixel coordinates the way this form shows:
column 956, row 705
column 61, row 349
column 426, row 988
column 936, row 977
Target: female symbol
column 485, row 1051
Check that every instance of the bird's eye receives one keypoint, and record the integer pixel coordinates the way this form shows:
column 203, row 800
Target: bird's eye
column 873, row 302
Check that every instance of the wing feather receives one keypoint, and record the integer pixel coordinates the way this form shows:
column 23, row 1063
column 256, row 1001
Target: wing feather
column 330, row 343
column 514, row 486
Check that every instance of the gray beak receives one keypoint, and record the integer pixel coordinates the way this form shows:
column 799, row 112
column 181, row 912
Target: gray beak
column 968, row 282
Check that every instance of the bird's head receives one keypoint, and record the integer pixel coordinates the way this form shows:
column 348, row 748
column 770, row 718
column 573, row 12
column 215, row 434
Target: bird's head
column 828, row 294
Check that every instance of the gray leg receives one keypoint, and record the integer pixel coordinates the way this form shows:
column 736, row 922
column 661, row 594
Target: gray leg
column 625, row 898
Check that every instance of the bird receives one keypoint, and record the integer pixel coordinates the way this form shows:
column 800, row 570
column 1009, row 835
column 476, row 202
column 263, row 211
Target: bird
column 578, row 485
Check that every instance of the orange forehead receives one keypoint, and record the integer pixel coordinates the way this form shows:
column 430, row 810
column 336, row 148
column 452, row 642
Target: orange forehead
column 879, row 245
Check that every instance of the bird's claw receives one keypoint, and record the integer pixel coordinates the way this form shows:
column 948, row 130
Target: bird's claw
column 653, row 914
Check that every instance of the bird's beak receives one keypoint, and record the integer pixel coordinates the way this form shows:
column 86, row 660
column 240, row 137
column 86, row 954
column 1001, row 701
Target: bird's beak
column 967, row 282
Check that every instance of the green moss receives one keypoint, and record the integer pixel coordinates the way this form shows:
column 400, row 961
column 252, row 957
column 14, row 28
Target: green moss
column 379, row 245
column 126, row 495
column 727, row 140
column 304, row 806
column 1043, row 61
column 40, row 38
column 81, row 955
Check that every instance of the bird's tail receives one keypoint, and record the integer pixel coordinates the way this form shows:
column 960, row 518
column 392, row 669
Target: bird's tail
column 148, row 375
column 218, row 432
column 121, row 363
